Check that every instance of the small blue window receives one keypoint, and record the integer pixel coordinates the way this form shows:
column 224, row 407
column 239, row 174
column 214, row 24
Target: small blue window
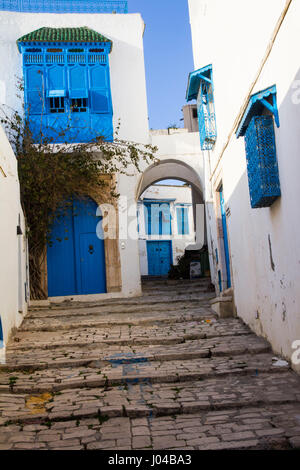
column 183, row 221
column 57, row 105
column 158, row 218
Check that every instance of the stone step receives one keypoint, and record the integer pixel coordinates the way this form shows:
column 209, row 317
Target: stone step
column 111, row 373
column 118, row 336
column 55, row 323
column 225, row 393
column 153, row 283
column 262, row 428
column 70, row 357
column 144, row 302
column 117, row 312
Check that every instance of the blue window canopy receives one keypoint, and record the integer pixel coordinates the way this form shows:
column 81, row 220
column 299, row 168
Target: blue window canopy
column 265, row 99
column 74, row 94
column 56, row 93
column 195, row 79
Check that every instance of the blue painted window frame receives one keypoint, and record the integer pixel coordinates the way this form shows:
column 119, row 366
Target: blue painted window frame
column 156, row 221
column 69, row 71
column 183, row 220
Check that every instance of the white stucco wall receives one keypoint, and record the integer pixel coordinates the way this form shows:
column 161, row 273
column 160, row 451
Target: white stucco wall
column 13, row 248
column 268, row 300
column 177, row 195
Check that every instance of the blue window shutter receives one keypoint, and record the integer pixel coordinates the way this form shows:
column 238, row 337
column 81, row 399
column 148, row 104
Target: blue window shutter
column 78, row 85
column 35, row 90
column 56, row 83
column 99, row 91
column 179, row 220
column 182, row 221
column 99, row 101
column 165, row 217
column 185, row 221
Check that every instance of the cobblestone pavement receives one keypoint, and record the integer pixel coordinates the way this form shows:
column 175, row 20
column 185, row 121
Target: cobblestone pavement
column 156, row 372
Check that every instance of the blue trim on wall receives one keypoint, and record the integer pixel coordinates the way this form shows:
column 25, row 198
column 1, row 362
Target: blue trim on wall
column 1, row 335
column 65, row 6
column 225, row 235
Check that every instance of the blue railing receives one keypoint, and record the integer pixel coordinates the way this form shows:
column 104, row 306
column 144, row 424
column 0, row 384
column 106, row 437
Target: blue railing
column 64, row 6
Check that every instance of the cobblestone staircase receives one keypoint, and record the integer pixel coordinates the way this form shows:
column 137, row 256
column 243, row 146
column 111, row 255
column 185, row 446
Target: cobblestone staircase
column 160, row 371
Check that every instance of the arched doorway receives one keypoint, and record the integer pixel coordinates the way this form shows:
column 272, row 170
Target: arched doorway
column 170, row 222
column 75, row 255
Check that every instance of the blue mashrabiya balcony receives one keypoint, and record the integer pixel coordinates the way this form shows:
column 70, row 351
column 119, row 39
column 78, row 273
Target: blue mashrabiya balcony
column 257, row 125
column 200, row 88
column 65, row 6
column 67, row 84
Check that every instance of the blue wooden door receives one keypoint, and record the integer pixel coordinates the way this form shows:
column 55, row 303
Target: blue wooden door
column 225, row 235
column 75, row 257
column 159, row 257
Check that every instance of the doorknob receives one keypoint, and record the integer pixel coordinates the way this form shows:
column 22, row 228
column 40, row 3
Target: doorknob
column 91, row 249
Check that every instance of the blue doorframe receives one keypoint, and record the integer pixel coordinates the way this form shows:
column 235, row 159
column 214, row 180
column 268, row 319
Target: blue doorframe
column 75, row 256
column 225, row 237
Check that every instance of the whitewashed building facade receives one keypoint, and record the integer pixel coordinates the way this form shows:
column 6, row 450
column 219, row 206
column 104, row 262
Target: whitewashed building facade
column 246, row 81
column 14, row 282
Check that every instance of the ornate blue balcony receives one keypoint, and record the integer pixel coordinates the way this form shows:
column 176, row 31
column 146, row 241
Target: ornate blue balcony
column 262, row 167
column 64, row 6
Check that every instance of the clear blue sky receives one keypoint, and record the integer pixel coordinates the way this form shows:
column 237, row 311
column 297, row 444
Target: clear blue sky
column 168, row 57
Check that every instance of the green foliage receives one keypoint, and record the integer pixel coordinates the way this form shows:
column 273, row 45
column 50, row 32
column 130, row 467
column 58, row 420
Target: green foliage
column 51, row 174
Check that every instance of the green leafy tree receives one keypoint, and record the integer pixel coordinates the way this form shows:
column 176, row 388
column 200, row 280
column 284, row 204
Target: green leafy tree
column 51, row 174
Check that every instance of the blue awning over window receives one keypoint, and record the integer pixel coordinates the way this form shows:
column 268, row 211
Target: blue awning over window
column 78, row 93
column 195, row 79
column 56, row 93
column 256, row 106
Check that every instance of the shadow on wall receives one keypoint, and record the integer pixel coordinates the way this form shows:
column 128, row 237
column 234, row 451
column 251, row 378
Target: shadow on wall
column 264, row 245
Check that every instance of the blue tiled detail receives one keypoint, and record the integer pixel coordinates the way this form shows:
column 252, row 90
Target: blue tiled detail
column 65, row 6
column 263, row 176
column 67, row 91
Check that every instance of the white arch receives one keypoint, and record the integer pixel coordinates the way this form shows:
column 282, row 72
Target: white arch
column 171, row 168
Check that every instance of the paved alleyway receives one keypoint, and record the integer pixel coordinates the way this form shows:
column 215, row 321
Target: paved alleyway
column 157, row 372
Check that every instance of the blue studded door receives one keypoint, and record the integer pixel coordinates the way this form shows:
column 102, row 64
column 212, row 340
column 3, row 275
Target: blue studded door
column 159, row 257
column 75, row 256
